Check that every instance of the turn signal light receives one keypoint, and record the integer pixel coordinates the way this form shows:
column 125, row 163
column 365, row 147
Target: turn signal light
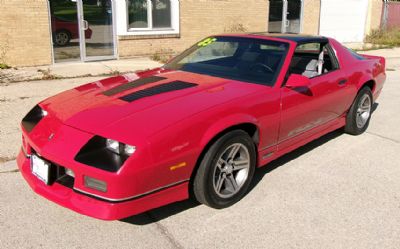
column 95, row 184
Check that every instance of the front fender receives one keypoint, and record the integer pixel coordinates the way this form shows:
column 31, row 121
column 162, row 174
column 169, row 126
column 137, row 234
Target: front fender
column 224, row 124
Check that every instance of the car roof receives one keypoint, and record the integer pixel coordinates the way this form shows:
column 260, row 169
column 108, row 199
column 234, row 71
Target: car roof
column 293, row 37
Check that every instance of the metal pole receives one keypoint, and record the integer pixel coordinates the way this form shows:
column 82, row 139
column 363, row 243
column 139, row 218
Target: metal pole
column 284, row 16
column 385, row 14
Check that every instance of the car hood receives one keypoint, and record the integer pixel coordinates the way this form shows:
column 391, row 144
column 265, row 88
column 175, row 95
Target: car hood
column 114, row 106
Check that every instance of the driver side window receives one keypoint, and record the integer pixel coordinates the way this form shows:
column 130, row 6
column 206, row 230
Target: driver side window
column 313, row 59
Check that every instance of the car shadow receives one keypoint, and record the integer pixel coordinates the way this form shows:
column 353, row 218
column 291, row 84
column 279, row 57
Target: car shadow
column 161, row 213
column 261, row 172
column 374, row 107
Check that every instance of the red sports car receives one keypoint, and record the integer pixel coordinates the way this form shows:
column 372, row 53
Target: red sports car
column 63, row 31
column 200, row 124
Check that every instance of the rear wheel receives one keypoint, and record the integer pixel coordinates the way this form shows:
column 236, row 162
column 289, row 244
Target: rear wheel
column 226, row 170
column 358, row 118
column 62, row 38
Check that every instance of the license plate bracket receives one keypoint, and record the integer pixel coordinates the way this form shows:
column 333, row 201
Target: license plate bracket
column 41, row 168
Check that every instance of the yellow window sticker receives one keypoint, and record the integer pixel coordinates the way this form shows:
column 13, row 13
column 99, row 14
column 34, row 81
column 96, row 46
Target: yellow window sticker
column 206, row 42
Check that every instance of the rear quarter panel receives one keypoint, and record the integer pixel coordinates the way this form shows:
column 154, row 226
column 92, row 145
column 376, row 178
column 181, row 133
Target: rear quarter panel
column 359, row 72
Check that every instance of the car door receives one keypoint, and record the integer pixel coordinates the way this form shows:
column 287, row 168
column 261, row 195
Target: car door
column 305, row 108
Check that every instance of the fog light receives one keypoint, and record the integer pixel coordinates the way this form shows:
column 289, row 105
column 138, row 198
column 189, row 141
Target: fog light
column 69, row 172
column 95, row 184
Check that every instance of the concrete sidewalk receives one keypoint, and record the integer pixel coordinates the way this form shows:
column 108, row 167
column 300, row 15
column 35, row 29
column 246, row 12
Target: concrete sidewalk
column 392, row 56
column 77, row 69
column 388, row 53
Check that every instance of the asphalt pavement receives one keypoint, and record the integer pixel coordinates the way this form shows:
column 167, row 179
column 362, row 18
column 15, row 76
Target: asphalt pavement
column 340, row 191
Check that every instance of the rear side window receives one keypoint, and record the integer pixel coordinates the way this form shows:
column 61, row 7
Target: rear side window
column 355, row 54
column 313, row 59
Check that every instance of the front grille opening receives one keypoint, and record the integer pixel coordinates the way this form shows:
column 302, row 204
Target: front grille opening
column 64, row 179
column 57, row 173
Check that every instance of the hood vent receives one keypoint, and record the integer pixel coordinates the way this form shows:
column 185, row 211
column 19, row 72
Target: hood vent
column 132, row 85
column 163, row 88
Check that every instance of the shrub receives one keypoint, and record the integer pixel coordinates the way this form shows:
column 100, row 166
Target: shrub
column 162, row 55
column 4, row 66
column 3, row 53
column 388, row 37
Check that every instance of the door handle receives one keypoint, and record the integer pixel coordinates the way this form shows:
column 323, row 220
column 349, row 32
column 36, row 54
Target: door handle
column 342, row 82
column 85, row 25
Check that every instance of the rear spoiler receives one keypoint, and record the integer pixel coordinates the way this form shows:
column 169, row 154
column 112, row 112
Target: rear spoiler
column 381, row 59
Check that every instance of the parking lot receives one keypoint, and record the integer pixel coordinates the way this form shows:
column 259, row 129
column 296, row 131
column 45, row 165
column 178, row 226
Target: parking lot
column 339, row 191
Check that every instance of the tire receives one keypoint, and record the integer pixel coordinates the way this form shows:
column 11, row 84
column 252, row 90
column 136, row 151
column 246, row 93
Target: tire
column 62, row 38
column 213, row 183
column 359, row 115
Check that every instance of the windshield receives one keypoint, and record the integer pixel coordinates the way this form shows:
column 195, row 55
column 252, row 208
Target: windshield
column 243, row 59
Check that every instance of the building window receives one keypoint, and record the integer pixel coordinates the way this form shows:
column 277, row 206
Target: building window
column 147, row 17
column 151, row 14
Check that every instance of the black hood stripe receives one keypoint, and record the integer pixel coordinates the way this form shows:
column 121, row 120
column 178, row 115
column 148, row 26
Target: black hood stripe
column 163, row 88
column 132, row 85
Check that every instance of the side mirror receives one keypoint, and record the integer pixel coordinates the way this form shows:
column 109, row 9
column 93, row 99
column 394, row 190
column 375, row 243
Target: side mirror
column 297, row 80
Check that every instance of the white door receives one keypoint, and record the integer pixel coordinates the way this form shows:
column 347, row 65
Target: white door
column 344, row 20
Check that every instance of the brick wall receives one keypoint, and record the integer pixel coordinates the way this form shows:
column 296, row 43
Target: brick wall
column 198, row 19
column 24, row 32
column 311, row 17
column 25, row 36
column 374, row 15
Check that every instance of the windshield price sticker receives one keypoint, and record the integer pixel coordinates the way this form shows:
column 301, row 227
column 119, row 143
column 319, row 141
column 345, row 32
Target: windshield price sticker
column 206, row 42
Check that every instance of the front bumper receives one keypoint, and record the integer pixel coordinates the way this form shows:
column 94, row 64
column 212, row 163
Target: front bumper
column 100, row 209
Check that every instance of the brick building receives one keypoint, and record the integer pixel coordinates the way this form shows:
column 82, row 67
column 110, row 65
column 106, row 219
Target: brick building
column 40, row 32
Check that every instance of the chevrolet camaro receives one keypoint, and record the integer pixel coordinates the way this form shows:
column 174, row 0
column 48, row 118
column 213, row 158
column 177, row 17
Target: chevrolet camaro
column 196, row 127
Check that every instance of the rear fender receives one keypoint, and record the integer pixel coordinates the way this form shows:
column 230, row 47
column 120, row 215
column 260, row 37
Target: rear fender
column 364, row 79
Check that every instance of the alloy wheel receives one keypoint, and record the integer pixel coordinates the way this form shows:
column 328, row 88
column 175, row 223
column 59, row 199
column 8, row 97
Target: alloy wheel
column 232, row 170
column 363, row 111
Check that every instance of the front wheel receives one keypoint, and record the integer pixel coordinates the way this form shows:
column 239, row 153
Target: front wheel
column 226, row 170
column 358, row 117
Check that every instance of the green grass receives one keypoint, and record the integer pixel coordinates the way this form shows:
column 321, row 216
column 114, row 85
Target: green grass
column 387, row 37
column 4, row 66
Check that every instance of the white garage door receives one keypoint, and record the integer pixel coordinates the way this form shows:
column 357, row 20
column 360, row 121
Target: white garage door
column 344, row 20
